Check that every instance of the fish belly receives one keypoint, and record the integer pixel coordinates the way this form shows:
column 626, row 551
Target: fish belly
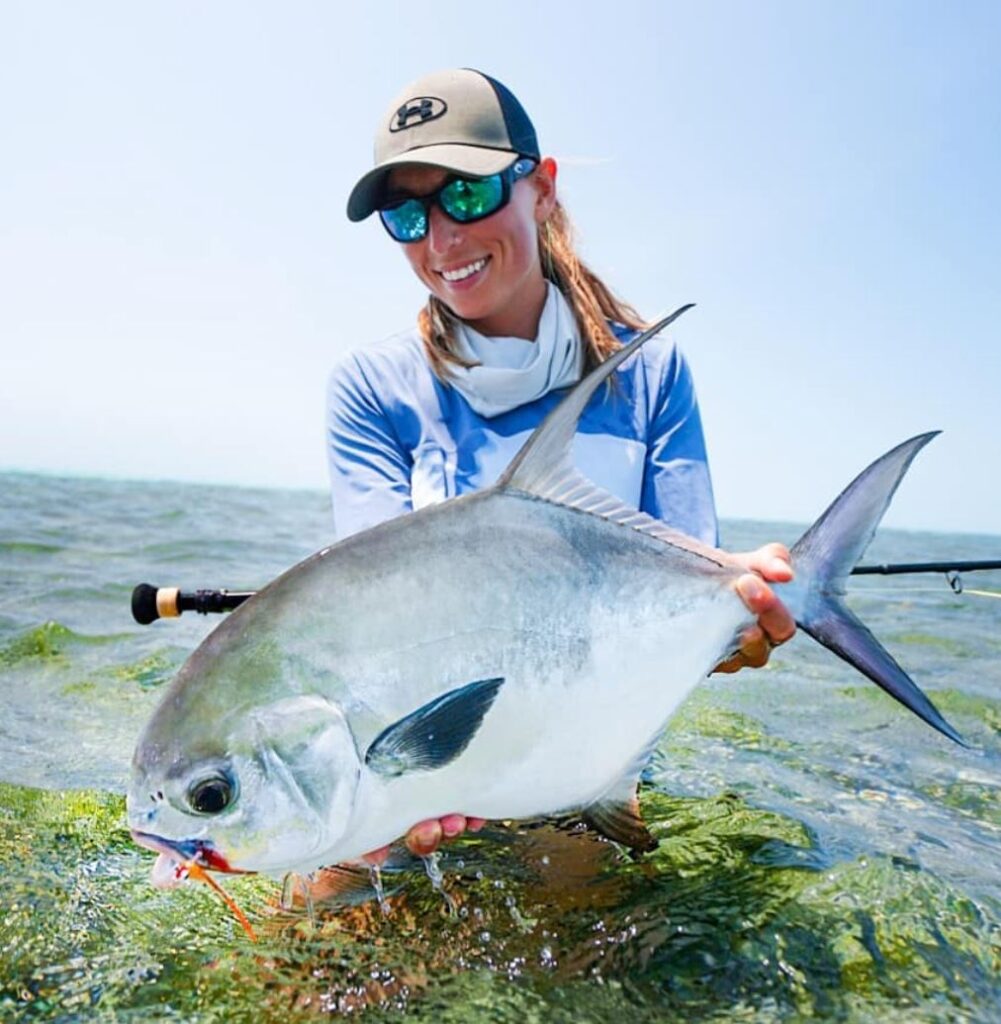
column 554, row 742
column 548, row 745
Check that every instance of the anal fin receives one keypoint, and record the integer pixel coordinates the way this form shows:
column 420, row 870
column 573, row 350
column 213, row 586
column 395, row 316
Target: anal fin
column 616, row 813
column 619, row 819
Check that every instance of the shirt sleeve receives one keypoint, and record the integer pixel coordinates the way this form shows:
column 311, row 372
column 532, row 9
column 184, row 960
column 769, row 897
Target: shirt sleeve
column 677, row 487
column 369, row 468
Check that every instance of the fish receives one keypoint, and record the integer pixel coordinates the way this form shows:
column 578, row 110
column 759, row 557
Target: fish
column 506, row 654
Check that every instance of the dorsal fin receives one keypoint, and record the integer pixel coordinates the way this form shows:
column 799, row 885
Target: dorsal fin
column 544, row 459
column 543, row 466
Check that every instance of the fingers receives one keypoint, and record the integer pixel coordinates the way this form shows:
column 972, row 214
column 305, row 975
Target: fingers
column 774, row 619
column 453, row 825
column 424, row 838
column 732, row 664
column 755, row 650
column 771, row 561
column 775, row 624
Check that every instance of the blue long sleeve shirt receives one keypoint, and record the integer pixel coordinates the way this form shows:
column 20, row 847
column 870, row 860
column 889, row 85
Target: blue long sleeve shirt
column 400, row 439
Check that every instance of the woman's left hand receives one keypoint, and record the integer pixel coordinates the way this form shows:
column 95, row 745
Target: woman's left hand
column 775, row 624
column 426, row 836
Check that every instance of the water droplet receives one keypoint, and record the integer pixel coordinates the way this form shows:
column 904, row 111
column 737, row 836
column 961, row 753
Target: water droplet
column 433, row 869
column 287, row 897
column 375, row 877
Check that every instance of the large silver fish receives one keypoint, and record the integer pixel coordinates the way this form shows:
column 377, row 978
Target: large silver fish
column 505, row 654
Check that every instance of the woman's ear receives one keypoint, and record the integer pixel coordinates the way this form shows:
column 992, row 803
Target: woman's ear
column 544, row 180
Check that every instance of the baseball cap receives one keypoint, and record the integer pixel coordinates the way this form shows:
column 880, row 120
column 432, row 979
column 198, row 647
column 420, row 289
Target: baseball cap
column 461, row 120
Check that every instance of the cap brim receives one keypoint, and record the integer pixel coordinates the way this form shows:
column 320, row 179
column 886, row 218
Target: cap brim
column 368, row 195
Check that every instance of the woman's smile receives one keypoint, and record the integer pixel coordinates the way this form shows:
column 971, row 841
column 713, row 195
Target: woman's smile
column 464, row 275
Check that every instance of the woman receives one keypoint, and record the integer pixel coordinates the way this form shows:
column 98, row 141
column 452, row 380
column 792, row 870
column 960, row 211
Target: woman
column 513, row 318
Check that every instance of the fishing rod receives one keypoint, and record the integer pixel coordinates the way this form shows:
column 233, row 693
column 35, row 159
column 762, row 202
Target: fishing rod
column 952, row 570
column 150, row 603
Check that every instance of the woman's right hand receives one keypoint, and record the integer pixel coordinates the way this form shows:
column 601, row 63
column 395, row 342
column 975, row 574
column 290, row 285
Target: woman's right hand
column 775, row 625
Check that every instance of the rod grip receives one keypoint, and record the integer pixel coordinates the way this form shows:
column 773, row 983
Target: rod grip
column 150, row 603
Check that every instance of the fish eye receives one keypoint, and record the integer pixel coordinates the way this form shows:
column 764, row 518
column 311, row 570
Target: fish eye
column 211, row 795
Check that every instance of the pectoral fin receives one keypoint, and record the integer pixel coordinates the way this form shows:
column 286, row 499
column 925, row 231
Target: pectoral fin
column 434, row 735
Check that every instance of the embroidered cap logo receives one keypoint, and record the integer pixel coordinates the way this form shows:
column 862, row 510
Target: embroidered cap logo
column 419, row 110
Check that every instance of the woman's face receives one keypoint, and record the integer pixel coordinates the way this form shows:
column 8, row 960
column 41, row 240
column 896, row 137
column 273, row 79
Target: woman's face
column 503, row 290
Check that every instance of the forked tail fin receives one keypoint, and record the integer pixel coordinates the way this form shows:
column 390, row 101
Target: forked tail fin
column 825, row 555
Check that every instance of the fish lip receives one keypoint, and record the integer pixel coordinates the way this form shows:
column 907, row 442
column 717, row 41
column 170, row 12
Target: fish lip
column 201, row 851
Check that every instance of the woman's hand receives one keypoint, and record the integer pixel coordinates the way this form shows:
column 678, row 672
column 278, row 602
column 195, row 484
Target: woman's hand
column 775, row 624
column 426, row 836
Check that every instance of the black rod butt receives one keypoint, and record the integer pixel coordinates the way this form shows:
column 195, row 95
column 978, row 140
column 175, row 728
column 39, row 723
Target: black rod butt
column 144, row 609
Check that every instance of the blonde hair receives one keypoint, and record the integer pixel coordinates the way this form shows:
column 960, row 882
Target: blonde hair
column 592, row 301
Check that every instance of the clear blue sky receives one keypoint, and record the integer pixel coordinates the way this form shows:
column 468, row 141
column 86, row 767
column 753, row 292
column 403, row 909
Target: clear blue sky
column 824, row 179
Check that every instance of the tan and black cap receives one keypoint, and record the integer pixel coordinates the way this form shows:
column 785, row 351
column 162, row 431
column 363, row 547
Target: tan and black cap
column 462, row 120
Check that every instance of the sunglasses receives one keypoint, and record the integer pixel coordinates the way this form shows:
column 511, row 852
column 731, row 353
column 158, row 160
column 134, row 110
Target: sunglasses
column 463, row 200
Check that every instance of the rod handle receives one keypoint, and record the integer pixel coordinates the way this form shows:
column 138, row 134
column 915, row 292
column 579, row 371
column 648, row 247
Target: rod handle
column 150, row 603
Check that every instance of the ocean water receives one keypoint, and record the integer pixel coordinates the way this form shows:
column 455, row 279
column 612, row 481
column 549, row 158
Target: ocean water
column 823, row 854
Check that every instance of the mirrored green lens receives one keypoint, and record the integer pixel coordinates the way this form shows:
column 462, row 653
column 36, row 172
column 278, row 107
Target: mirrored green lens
column 467, row 199
column 406, row 222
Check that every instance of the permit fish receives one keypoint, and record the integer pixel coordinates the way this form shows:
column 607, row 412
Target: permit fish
column 505, row 654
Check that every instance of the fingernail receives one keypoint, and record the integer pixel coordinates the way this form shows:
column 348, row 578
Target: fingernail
column 751, row 588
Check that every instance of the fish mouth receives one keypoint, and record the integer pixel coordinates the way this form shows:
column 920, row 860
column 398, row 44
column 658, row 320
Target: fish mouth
column 187, row 851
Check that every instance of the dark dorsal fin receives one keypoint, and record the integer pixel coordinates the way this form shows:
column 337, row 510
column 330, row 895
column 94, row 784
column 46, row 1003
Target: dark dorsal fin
column 545, row 456
column 435, row 734
column 544, row 467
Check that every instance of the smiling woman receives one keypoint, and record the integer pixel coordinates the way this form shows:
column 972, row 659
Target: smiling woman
column 478, row 257
column 513, row 317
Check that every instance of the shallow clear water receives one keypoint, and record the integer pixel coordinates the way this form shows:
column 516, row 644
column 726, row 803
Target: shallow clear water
column 823, row 853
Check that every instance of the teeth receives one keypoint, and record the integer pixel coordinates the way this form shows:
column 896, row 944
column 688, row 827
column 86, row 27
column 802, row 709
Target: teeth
column 464, row 272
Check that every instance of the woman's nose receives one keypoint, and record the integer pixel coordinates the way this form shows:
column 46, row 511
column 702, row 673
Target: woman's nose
column 443, row 233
